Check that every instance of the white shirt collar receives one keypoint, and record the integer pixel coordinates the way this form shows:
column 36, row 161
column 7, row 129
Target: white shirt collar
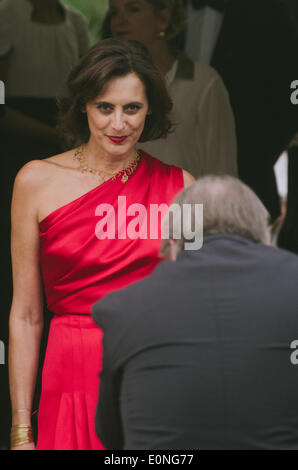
column 170, row 75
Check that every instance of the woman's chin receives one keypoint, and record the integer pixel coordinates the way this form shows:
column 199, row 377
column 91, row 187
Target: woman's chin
column 120, row 149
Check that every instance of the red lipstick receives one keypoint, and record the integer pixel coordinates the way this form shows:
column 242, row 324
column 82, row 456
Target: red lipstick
column 117, row 140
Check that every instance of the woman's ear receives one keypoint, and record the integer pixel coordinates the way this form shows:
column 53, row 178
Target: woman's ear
column 164, row 18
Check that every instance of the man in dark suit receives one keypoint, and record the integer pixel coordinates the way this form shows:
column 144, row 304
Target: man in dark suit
column 198, row 355
column 253, row 45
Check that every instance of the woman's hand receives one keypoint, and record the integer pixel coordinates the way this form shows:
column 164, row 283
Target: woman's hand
column 29, row 446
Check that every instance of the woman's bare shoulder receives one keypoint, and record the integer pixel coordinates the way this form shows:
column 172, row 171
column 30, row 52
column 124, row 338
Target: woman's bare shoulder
column 37, row 172
column 62, row 159
column 188, row 178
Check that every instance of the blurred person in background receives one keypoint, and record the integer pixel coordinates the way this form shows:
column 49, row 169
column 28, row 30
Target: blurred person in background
column 203, row 140
column 288, row 235
column 253, row 46
column 39, row 42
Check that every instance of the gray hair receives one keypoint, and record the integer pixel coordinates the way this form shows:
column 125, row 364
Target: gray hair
column 229, row 207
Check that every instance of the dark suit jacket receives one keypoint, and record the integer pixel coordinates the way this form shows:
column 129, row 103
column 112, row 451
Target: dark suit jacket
column 197, row 356
column 256, row 55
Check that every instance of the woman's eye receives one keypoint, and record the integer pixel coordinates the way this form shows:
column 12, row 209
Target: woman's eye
column 132, row 108
column 104, row 107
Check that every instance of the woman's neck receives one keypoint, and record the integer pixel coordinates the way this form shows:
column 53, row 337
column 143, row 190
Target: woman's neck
column 99, row 159
column 161, row 55
column 47, row 11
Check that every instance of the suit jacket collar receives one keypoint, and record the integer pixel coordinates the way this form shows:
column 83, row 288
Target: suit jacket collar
column 235, row 237
column 210, row 240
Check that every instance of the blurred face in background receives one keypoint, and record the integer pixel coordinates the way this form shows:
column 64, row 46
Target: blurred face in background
column 136, row 19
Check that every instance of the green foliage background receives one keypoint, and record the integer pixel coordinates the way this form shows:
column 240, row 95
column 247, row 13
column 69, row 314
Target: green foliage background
column 94, row 11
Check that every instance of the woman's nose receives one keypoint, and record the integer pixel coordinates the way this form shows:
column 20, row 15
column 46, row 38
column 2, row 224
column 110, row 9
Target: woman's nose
column 119, row 18
column 118, row 121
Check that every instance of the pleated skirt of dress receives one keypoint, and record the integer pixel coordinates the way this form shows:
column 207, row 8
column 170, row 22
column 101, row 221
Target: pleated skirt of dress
column 70, row 385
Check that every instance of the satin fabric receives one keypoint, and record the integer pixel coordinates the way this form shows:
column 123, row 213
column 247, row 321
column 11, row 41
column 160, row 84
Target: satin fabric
column 78, row 269
column 70, row 385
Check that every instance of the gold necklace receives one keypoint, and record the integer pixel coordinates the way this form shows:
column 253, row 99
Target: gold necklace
column 125, row 173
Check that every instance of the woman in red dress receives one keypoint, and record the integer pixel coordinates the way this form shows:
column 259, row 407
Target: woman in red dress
column 81, row 228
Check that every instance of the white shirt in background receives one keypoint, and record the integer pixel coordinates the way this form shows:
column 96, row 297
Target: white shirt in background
column 203, row 28
column 204, row 138
column 40, row 55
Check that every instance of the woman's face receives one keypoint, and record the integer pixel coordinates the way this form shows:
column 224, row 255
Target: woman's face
column 117, row 116
column 135, row 19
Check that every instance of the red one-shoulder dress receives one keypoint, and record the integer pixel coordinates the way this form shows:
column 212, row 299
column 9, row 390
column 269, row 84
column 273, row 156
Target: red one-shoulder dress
column 100, row 242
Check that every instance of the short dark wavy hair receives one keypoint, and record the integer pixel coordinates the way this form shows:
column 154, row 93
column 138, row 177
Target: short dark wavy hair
column 105, row 61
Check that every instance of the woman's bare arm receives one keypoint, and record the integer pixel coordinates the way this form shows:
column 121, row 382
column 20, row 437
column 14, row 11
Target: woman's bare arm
column 26, row 315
